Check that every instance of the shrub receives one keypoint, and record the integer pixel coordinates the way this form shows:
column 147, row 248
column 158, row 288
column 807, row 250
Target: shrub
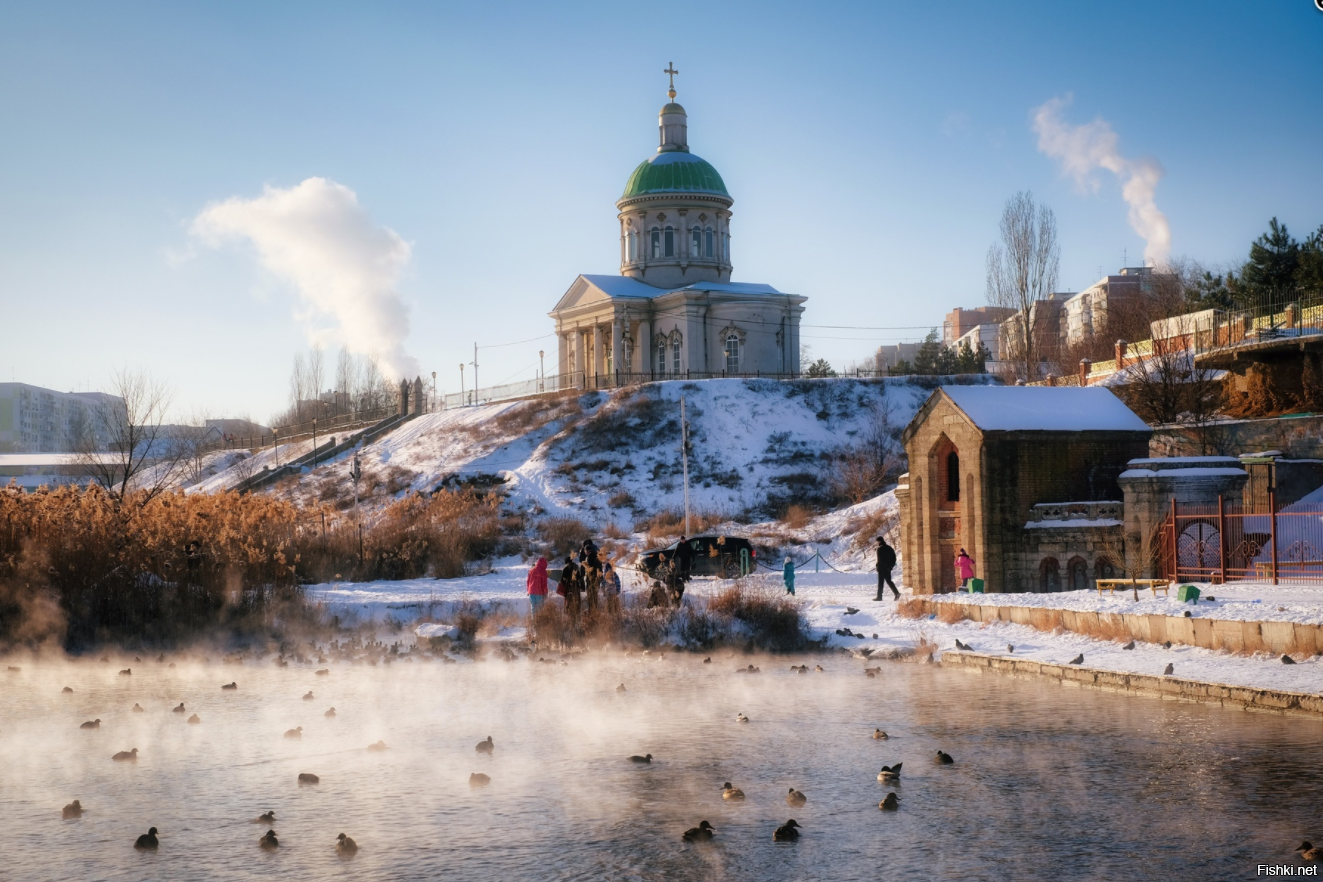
column 797, row 517
column 563, row 534
column 774, row 620
column 621, row 499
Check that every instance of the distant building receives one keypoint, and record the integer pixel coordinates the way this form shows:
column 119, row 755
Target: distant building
column 37, row 420
column 959, row 321
column 1107, row 299
column 893, row 354
column 28, row 471
column 988, row 336
column 238, row 428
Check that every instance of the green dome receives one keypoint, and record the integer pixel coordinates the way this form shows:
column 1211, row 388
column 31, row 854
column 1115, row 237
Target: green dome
column 674, row 172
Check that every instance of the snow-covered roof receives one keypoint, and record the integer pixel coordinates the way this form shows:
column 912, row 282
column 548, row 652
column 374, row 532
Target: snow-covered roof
column 1044, row 409
column 623, row 286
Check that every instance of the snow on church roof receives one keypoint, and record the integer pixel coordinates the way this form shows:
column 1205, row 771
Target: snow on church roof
column 1044, row 409
column 623, row 286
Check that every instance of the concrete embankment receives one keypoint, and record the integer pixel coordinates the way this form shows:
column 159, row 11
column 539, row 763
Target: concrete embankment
column 1172, row 688
column 1226, row 634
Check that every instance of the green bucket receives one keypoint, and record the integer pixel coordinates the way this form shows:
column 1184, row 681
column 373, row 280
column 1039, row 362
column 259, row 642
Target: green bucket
column 1187, row 594
column 975, row 586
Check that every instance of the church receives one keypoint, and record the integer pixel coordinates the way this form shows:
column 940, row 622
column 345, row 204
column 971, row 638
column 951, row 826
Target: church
column 673, row 311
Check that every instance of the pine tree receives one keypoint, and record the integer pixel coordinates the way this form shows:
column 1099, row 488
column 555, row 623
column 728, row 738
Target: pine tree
column 1270, row 273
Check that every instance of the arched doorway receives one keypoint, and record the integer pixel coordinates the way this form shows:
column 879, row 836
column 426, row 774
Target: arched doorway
column 1077, row 572
column 1049, row 575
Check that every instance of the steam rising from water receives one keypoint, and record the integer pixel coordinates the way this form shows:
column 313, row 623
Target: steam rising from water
column 316, row 236
column 1081, row 149
column 1042, row 775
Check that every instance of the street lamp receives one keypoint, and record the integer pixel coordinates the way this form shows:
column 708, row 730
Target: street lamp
column 461, row 384
column 433, row 391
column 542, row 383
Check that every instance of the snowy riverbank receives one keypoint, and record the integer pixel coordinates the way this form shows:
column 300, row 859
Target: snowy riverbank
column 826, row 599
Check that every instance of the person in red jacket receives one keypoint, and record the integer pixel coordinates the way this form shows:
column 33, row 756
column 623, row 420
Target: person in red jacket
column 537, row 584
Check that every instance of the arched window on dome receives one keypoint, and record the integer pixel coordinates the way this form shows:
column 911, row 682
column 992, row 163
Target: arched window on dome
column 732, row 353
column 697, row 249
column 656, row 243
column 670, row 241
column 708, row 234
column 632, row 246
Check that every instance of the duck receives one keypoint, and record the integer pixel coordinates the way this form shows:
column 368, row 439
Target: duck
column 641, row 759
column 147, row 841
column 265, row 818
column 345, row 845
column 708, row 660
column 891, row 803
column 329, row 714
column 1309, row 851
column 818, row 668
column 322, row 673
column 731, row 792
column 478, row 779
column 879, row 735
column 621, row 688
column 72, row 810
column 137, row 708
column 795, row 798
column 702, row 833
column 126, row 672
column 195, row 719
column 91, row 724
column 269, row 840
column 943, row 759
column 787, row 832
column 233, row 685
column 485, row 746
column 126, row 756
column 308, row 696
column 741, row 718
column 179, row 710
column 308, row 778
column 67, row 689
column 296, row 732
column 378, row 747
column 890, row 774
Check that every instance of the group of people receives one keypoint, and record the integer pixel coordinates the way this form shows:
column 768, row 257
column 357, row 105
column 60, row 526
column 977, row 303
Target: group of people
column 588, row 578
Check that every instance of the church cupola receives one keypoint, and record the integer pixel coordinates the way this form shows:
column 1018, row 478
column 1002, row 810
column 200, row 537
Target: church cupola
column 675, row 211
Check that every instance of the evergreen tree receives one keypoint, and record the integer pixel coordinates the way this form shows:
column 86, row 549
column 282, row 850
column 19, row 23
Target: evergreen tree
column 1309, row 272
column 820, row 368
column 1270, row 273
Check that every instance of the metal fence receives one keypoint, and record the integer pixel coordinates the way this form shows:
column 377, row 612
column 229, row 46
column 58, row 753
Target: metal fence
column 1230, row 542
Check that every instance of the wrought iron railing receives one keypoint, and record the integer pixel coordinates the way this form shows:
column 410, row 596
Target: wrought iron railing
column 1231, row 542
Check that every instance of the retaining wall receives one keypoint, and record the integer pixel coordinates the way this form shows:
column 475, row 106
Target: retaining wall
column 1239, row 697
column 1236, row 636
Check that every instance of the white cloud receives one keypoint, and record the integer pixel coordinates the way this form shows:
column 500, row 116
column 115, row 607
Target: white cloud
column 1081, row 149
column 317, row 237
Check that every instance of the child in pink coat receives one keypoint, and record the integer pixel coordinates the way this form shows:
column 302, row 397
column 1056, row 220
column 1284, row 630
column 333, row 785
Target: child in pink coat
column 964, row 565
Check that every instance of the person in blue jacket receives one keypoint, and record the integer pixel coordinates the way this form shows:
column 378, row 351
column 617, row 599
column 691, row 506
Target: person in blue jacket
column 789, row 575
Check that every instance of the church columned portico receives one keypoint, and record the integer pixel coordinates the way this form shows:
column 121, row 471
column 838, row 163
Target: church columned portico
column 673, row 310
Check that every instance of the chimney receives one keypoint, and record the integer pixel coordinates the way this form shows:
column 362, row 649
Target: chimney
column 1120, row 354
column 1085, row 367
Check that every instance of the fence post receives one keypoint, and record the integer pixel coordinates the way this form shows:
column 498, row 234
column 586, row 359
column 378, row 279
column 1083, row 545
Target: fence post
column 1272, row 505
column 1222, row 536
column 1175, row 562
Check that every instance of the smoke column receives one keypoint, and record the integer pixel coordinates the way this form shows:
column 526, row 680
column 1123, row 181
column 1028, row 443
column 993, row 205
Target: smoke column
column 1081, row 149
column 345, row 268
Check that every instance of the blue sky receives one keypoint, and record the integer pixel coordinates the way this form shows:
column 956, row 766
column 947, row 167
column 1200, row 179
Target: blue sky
column 869, row 149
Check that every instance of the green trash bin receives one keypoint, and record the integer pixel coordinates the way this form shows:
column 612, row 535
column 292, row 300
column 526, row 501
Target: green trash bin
column 1187, row 594
column 975, row 586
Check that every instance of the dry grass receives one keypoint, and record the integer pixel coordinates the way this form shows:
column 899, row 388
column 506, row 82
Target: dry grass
column 797, row 517
column 866, row 528
column 614, row 531
column 621, row 499
column 773, row 619
column 665, row 527
column 951, row 613
column 562, row 535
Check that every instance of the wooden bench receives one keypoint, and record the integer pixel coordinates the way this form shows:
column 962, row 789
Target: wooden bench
column 1154, row 585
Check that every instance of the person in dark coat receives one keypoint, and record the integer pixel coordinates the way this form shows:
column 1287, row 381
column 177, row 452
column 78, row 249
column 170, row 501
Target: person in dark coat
column 886, row 562
column 590, row 569
column 570, row 587
column 684, row 557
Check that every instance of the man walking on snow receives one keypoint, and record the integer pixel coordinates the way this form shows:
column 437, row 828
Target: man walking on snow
column 886, row 562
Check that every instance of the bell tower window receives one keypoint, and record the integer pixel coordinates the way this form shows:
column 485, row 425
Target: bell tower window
column 656, row 243
column 697, row 249
column 708, row 234
column 632, row 246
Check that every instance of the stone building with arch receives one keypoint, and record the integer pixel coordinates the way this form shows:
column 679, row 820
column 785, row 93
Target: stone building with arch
column 1023, row 478
column 673, row 309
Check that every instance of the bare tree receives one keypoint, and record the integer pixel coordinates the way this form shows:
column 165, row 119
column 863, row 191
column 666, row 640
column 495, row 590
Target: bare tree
column 298, row 387
column 140, row 455
column 316, row 372
column 861, row 471
column 193, row 442
column 1168, row 385
column 1021, row 272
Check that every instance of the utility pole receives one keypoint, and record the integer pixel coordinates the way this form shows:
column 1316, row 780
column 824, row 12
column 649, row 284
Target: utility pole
column 314, row 442
column 684, row 459
column 356, row 472
column 461, row 384
column 542, row 371
column 433, row 392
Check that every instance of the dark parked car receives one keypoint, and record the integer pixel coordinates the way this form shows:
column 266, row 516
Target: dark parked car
column 712, row 556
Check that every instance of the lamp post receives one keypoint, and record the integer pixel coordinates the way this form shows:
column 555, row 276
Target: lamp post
column 433, row 391
column 275, row 442
column 314, row 442
column 461, row 384
column 542, row 372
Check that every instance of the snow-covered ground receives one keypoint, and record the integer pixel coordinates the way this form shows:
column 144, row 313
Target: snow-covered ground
column 756, row 446
column 826, row 599
column 1240, row 601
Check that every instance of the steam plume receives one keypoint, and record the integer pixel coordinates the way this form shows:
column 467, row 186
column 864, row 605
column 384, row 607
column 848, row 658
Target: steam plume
column 317, row 236
column 1081, row 149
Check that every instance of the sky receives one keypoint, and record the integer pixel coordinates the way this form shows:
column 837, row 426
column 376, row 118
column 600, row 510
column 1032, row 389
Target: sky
column 201, row 191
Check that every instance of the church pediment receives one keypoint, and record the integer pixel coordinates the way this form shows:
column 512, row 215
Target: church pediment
column 588, row 290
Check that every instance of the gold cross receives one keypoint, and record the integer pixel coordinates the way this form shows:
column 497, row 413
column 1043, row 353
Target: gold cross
column 670, row 69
